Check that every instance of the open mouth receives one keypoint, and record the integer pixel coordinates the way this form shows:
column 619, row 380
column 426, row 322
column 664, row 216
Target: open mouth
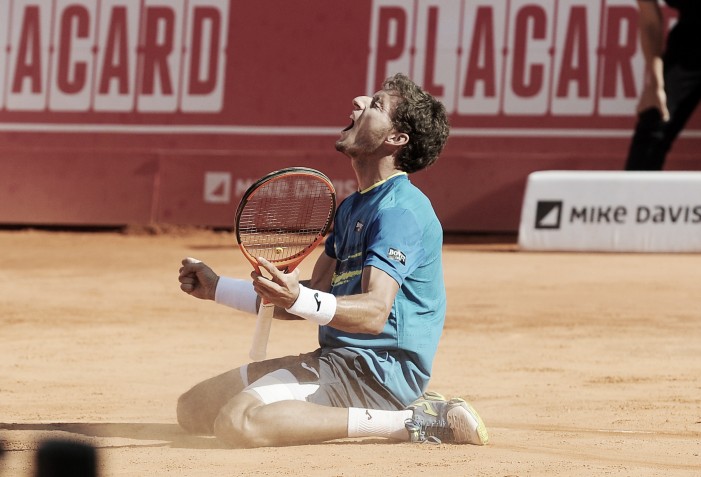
column 349, row 127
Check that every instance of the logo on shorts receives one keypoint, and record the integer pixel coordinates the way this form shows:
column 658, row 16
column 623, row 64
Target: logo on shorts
column 548, row 214
column 310, row 369
column 397, row 255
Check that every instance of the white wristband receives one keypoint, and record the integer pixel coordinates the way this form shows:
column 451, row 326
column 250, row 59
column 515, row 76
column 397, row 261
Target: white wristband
column 314, row 305
column 236, row 293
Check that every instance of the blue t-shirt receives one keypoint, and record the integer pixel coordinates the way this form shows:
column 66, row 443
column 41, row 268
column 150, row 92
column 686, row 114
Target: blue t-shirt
column 392, row 227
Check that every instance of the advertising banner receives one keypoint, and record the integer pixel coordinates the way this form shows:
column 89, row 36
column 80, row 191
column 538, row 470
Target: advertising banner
column 201, row 95
column 612, row 211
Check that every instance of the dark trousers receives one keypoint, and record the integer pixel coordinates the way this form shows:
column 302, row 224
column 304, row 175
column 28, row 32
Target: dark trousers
column 653, row 137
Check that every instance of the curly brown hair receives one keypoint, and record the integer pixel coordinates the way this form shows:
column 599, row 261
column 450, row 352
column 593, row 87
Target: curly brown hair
column 423, row 118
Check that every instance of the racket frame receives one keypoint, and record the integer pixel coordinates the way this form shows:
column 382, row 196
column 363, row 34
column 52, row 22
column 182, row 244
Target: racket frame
column 266, row 310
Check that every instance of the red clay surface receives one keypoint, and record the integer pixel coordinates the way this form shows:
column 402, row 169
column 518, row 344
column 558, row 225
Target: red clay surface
column 580, row 364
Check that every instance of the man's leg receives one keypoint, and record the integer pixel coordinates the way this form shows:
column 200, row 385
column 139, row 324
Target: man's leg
column 199, row 407
column 653, row 136
column 245, row 421
column 649, row 145
column 277, row 409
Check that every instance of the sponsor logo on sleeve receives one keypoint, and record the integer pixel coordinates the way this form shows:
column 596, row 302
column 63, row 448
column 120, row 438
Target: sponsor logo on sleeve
column 397, row 256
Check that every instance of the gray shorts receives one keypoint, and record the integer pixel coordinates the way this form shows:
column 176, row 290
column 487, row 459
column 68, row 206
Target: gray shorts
column 343, row 377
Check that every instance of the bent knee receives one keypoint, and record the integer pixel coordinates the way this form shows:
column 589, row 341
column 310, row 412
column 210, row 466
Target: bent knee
column 235, row 426
column 191, row 417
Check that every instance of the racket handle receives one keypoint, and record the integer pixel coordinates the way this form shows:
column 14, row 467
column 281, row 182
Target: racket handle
column 262, row 332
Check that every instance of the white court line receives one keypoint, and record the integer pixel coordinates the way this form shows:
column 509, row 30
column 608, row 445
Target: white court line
column 623, row 431
column 574, row 430
column 305, row 130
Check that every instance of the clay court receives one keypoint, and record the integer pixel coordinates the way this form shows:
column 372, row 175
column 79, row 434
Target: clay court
column 580, row 364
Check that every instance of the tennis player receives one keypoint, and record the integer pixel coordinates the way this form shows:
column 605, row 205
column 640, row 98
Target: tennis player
column 377, row 294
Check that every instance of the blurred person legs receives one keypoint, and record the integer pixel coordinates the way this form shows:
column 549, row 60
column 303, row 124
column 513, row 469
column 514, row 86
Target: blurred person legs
column 653, row 137
column 64, row 458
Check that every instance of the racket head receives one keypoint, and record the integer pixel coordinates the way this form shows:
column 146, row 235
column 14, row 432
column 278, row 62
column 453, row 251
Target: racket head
column 284, row 215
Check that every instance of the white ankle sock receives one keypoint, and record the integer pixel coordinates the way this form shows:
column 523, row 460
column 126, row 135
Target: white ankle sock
column 372, row 422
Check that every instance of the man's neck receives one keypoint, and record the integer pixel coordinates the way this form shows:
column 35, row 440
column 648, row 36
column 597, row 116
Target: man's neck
column 370, row 172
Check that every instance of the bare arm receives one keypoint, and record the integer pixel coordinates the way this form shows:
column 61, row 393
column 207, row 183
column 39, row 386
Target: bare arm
column 651, row 30
column 320, row 280
column 366, row 312
column 199, row 280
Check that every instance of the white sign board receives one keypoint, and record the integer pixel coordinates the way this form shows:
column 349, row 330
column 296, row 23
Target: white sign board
column 612, row 211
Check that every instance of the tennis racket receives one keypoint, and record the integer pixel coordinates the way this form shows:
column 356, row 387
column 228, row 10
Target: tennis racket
column 282, row 217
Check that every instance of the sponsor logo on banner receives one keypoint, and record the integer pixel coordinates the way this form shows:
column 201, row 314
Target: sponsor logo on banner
column 217, row 187
column 549, row 214
column 113, row 55
column 516, row 57
column 612, row 211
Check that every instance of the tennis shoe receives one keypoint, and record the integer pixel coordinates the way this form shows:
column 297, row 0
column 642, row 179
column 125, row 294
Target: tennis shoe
column 438, row 420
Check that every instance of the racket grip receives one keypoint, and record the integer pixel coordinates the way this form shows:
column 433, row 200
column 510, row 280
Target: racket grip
column 262, row 332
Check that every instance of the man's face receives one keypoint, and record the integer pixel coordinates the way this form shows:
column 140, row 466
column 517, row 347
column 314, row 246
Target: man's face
column 370, row 126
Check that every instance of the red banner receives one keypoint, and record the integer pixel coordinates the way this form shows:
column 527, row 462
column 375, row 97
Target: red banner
column 133, row 111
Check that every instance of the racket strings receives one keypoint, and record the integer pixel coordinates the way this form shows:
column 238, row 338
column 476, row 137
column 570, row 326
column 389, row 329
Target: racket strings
column 285, row 217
